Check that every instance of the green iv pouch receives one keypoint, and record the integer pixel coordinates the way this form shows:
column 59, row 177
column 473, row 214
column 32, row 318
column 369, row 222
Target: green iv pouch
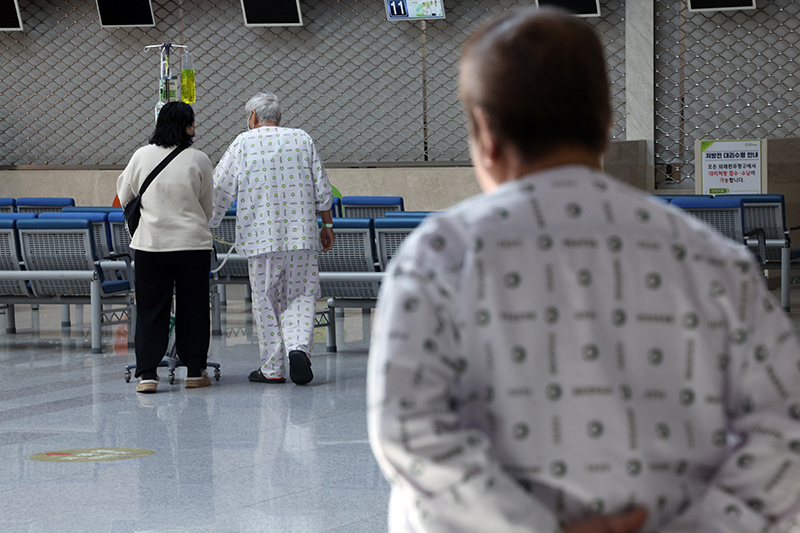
column 187, row 78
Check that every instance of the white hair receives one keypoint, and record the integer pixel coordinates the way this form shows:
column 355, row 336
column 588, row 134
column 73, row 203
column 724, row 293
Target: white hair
column 266, row 106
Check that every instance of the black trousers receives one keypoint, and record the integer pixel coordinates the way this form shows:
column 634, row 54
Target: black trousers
column 157, row 273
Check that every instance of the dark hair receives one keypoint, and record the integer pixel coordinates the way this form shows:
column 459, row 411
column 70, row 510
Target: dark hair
column 540, row 77
column 173, row 119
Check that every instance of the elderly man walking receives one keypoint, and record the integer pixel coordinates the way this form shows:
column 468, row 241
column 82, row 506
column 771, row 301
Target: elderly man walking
column 281, row 186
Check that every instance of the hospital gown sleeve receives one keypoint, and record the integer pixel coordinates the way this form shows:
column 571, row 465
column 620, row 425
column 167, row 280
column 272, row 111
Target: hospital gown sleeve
column 322, row 186
column 757, row 488
column 226, row 181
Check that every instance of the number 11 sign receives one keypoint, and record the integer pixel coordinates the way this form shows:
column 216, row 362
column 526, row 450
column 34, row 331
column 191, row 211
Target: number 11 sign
column 414, row 9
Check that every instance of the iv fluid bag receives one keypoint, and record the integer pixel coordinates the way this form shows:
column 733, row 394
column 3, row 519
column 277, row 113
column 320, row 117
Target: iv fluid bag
column 187, row 78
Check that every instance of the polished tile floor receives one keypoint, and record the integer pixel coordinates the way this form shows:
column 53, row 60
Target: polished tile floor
column 234, row 457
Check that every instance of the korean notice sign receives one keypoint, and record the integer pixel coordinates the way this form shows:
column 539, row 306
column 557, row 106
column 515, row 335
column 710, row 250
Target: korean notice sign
column 731, row 167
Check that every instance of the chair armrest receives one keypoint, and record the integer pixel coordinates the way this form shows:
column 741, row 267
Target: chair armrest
column 761, row 236
column 118, row 261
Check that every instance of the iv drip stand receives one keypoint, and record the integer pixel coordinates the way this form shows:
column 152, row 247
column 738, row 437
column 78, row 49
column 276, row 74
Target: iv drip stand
column 164, row 75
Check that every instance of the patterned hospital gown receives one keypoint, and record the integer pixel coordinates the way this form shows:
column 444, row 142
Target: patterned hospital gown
column 278, row 178
column 564, row 347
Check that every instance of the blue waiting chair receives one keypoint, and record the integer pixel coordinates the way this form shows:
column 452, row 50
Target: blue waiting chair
column 726, row 215
column 348, row 274
column 62, row 267
column 370, row 206
column 7, row 205
column 100, row 232
column 91, row 209
column 390, row 232
column 42, row 204
column 120, row 238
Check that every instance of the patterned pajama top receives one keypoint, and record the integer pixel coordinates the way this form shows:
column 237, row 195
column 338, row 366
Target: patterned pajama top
column 566, row 346
column 280, row 184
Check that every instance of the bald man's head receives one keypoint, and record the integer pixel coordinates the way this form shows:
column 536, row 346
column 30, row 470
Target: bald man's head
column 540, row 77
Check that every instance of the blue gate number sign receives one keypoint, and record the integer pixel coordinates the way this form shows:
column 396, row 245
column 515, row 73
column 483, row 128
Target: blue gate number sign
column 414, row 9
column 397, row 9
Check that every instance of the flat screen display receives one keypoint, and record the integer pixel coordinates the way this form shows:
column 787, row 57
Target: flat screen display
column 582, row 8
column 720, row 5
column 272, row 13
column 125, row 13
column 414, row 9
column 10, row 19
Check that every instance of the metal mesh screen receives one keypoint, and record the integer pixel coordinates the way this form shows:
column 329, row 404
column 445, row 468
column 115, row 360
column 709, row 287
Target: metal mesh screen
column 764, row 217
column 226, row 231
column 367, row 211
column 225, row 234
column 37, row 209
column 723, row 221
column 390, row 242
column 120, row 238
column 367, row 90
column 350, row 254
column 55, row 251
column 48, row 250
column 9, row 260
column 723, row 75
column 99, row 235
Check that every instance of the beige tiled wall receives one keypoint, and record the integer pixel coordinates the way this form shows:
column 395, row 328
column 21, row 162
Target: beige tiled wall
column 423, row 188
column 88, row 187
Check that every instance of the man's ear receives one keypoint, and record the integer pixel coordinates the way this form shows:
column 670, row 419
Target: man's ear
column 486, row 142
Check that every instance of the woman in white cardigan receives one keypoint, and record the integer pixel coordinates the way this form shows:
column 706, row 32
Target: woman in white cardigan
column 172, row 247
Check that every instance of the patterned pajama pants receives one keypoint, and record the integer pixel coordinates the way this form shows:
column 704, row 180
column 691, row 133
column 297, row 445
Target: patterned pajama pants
column 285, row 286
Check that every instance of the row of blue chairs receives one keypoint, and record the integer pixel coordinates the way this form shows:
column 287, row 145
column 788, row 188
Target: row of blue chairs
column 347, row 206
column 362, row 206
column 366, row 206
column 34, row 204
column 54, row 259
column 110, row 236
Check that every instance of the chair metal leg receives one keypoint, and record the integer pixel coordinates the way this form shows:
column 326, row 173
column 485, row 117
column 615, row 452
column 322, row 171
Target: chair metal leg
column 366, row 323
column 132, row 330
column 785, row 277
column 331, row 330
column 11, row 319
column 65, row 321
column 35, row 321
column 223, row 294
column 97, row 311
column 216, row 311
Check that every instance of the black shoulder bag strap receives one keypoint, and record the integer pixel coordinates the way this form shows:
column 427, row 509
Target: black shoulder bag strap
column 172, row 155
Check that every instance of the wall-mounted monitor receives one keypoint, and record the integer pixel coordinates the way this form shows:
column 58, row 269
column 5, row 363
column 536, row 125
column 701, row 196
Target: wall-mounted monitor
column 581, row 8
column 10, row 19
column 125, row 13
column 720, row 5
column 414, row 9
column 272, row 13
